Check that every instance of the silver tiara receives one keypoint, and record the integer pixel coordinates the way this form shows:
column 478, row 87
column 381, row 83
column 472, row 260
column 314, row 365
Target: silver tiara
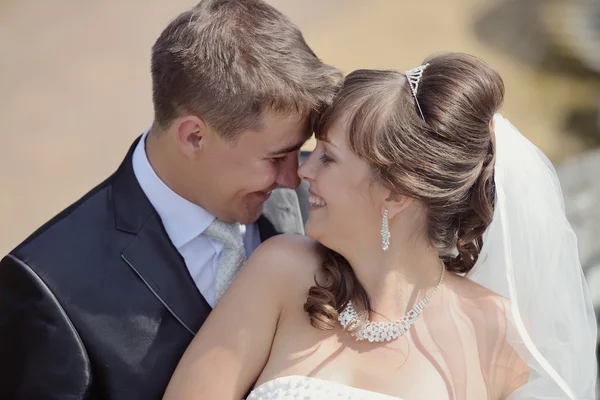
column 414, row 78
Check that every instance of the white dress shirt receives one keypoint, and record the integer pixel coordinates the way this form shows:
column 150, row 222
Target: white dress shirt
column 185, row 222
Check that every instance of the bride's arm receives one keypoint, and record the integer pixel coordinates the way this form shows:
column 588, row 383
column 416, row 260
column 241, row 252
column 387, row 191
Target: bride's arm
column 231, row 349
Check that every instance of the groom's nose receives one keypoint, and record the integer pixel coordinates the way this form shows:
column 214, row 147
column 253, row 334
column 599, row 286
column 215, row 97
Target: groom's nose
column 287, row 175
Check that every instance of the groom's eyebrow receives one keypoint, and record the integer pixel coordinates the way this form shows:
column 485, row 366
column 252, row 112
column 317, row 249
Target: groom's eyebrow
column 288, row 149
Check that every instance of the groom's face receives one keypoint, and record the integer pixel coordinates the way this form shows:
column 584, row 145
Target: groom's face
column 244, row 173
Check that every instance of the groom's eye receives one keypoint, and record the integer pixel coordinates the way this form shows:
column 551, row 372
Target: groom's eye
column 278, row 160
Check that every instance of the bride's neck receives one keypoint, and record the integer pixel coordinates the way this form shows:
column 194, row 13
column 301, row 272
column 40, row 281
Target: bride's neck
column 398, row 278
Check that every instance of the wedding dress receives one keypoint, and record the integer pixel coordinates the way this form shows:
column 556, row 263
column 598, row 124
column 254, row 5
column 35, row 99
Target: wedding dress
column 308, row 388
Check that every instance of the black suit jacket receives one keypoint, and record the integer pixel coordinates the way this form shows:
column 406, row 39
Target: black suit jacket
column 98, row 303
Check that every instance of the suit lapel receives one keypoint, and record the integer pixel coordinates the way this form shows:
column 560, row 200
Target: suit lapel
column 160, row 266
column 266, row 228
column 151, row 255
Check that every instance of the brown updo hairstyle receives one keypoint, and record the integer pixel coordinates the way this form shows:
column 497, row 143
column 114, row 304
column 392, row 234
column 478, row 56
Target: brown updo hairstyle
column 446, row 161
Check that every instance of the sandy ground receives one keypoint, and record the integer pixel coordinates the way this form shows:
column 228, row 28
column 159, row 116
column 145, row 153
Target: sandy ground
column 75, row 82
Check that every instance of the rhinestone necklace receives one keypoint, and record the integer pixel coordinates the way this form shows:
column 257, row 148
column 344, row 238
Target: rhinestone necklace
column 383, row 331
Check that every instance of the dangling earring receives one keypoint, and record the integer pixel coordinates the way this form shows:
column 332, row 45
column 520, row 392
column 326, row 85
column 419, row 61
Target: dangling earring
column 385, row 232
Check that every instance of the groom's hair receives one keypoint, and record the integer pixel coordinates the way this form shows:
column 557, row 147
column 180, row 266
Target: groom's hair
column 228, row 61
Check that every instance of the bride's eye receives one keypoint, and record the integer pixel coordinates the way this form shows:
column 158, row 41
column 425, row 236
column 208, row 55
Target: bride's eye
column 325, row 159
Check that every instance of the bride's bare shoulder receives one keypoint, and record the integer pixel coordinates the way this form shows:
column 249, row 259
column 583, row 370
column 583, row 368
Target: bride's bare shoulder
column 488, row 317
column 474, row 293
column 289, row 257
column 488, row 310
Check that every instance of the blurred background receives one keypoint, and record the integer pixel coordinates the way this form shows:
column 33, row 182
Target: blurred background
column 76, row 89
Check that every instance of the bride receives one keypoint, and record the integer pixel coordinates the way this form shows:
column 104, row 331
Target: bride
column 440, row 264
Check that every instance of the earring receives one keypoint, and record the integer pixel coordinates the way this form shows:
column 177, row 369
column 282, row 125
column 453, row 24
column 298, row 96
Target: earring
column 385, row 232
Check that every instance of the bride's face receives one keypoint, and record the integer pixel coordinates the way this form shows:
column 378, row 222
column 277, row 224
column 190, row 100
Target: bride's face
column 345, row 210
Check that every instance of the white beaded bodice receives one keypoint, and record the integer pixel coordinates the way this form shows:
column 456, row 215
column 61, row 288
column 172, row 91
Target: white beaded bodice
column 308, row 388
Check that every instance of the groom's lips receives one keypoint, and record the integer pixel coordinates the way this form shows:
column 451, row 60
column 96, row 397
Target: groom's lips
column 266, row 195
column 263, row 196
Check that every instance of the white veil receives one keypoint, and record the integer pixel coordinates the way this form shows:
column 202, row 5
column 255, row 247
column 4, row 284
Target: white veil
column 530, row 256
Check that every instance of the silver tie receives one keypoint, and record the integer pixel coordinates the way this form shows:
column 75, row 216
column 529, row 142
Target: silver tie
column 233, row 254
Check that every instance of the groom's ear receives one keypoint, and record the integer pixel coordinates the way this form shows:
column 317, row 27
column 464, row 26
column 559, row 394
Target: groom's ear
column 396, row 203
column 191, row 133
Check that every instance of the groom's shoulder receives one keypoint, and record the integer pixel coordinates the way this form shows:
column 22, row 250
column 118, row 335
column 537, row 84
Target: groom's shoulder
column 71, row 228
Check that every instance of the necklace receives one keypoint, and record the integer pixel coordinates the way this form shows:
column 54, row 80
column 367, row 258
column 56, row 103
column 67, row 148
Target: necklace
column 383, row 331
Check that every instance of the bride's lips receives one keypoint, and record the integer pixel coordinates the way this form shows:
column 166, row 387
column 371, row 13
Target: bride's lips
column 315, row 201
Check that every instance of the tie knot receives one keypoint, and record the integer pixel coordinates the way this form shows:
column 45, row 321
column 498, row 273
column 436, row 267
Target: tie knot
column 226, row 232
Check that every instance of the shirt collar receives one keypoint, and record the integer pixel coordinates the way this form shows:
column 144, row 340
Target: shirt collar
column 182, row 219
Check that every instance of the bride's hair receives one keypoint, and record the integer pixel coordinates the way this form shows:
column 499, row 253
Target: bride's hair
column 445, row 161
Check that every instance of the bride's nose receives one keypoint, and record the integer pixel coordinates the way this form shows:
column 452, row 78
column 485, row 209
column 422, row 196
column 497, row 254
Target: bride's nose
column 306, row 170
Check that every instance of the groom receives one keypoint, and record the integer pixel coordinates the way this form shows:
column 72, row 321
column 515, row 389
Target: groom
column 102, row 301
